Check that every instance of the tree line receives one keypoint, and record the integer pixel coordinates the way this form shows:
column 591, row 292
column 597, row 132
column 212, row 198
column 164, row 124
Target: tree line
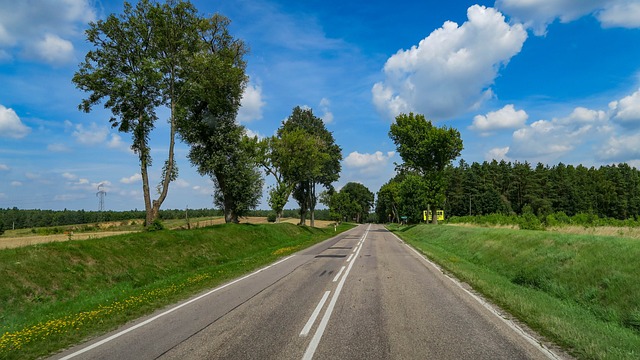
column 611, row 191
column 166, row 55
column 11, row 218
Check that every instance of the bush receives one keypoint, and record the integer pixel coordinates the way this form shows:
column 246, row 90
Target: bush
column 156, row 225
column 271, row 217
column 528, row 221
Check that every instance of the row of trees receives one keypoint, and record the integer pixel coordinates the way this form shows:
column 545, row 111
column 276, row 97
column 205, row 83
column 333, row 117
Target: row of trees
column 302, row 155
column 611, row 191
column 427, row 179
column 20, row 219
column 156, row 56
column 352, row 203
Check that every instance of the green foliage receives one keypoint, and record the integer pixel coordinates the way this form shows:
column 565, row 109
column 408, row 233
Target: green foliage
column 156, row 225
column 426, row 150
column 272, row 217
column 352, row 203
column 315, row 161
column 1, row 227
column 611, row 191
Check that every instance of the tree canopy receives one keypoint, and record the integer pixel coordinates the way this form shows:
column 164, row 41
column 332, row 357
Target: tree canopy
column 426, row 150
column 160, row 55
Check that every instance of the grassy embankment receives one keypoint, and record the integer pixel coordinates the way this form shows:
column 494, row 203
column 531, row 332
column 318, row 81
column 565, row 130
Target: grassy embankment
column 56, row 294
column 580, row 291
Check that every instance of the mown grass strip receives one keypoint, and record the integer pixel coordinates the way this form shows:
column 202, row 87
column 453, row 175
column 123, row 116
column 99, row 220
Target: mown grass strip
column 579, row 291
column 54, row 295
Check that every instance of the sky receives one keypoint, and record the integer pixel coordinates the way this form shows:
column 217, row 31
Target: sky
column 545, row 81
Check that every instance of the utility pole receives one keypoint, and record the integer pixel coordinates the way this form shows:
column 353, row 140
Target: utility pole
column 101, row 194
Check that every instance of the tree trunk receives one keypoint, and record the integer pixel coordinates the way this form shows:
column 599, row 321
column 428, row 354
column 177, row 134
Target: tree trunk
column 278, row 216
column 312, row 202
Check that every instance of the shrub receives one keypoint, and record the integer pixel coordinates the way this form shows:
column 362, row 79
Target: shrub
column 156, row 225
column 271, row 217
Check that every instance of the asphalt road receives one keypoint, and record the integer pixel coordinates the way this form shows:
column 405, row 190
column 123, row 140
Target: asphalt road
column 361, row 295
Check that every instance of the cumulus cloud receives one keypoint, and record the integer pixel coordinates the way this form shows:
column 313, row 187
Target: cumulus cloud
column 11, row 125
column 52, row 49
column 4, row 167
column 548, row 140
column 16, row 183
column 131, row 179
column 627, row 110
column 69, row 176
column 92, row 136
column 251, row 104
column 367, row 163
column 451, row 70
column 506, row 118
column 538, row 14
column 621, row 148
column 181, row 183
column 497, row 154
column 327, row 115
column 23, row 23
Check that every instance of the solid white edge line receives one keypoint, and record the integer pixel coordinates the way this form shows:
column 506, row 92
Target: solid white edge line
column 515, row 327
column 128, row 330
column 313, row 345
column 339, row 273
column 314, row 315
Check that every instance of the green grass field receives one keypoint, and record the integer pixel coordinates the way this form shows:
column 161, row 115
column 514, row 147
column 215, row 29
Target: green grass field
column 580, row 291
column 56, row 294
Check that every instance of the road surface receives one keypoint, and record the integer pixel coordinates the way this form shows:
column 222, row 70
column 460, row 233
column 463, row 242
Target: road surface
column 361, row 295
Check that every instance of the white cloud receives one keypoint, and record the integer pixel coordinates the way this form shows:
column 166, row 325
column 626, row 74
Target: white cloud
column 57, row 147
column 627, row 110
column 131, row 179
column 10, row 124
column 505, row 118
column 546, row 141
column 52, row 49
column 327, row 115
column 251, row 104
column 538, row 14
column 4, row 167
column 92, row 136
column 23, row 23
column 116, row 142
column 368, row 162
column 16, row 183
column 498, row 154
column 621, row 148
column 69, row 176
column 451, row 70
column 181, row 183
column 250, row 133
column 624, row 14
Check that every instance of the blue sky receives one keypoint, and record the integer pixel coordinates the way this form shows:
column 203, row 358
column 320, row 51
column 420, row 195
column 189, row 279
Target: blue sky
column 523, row 80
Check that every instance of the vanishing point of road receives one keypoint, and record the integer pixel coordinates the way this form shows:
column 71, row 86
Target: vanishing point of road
column 363, row 294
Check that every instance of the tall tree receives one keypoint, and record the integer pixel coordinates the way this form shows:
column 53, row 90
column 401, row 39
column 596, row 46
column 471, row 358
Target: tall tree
column 319, row 163
column 426, row 149
column 283, row 157
column 219, row 147
column 361, row 199
column 143, row 59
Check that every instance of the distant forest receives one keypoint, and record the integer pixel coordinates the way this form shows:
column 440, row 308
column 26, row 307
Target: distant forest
column 23, row 219
column 611, row 191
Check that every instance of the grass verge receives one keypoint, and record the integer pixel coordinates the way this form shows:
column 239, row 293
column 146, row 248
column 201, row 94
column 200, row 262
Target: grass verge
column 580, row 291
column 56, row 294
